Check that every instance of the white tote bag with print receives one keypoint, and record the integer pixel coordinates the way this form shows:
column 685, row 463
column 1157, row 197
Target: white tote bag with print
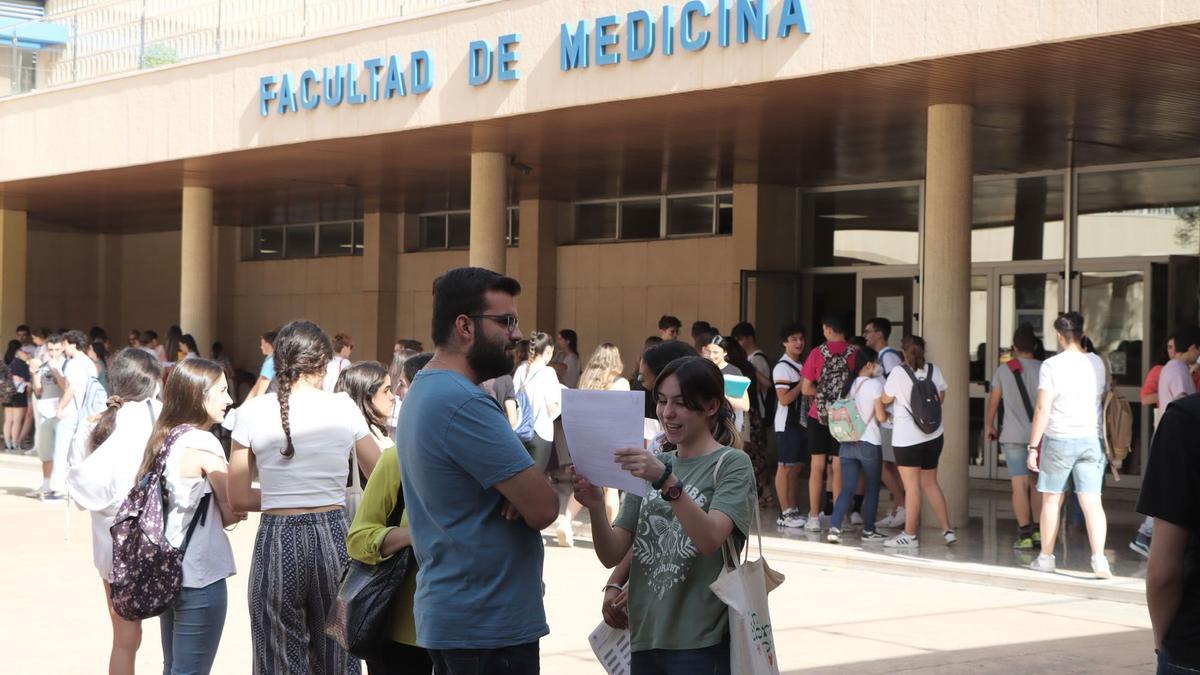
column 743, row 586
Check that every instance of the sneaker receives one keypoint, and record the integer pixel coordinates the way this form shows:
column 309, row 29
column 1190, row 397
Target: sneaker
column 856, row 518
column 795, row 521
column 813, row 524
column 1100, row 567
column 885, row 521
column 1023, row 543
column 38, row 493
column 1037, row 534
column 1140, row 545
column 53, row 496
column 902, row 540
column 873, row 536
column 1043, row 563
column 898, row 519
column 783, row 517
column 564, row 533
column 949, row 536
column 834, row 536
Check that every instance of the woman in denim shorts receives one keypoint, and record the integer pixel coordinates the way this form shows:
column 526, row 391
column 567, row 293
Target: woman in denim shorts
column 1066, row 430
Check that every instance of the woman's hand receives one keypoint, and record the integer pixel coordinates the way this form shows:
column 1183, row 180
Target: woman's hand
column 641, row 463
column 613, row 608
column 590, row 496
column 1032, row 462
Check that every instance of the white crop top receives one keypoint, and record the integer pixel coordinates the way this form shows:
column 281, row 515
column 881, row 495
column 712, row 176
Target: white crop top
column 208, row 558
column 324, row 429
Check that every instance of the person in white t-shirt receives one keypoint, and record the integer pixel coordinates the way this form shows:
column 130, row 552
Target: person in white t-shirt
column 299, row 440
column 791, row 416
column 1065, row 441
column 77, row 371
column 544, row 391
column 343, row 346
column 917, row 451
column 198, row 509
column 862, row 457
column 117, row 445
column 878, row 334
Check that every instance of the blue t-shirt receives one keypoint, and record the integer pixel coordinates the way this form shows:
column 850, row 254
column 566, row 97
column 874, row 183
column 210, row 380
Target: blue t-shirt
column 268, row 368
column 479, row 584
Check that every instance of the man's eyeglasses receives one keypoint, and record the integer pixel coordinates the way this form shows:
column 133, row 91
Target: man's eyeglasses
column 509, row 321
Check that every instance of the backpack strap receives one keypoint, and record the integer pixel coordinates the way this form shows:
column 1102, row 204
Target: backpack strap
column 198, row 518
column 1018, row 373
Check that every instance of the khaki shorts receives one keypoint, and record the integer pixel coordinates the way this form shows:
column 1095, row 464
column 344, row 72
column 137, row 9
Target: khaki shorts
column 43, row 438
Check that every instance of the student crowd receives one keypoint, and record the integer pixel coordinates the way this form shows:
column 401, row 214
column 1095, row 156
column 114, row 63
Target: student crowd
column 440, row 463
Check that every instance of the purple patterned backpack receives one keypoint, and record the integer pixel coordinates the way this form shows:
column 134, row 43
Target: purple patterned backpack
column 147, row 569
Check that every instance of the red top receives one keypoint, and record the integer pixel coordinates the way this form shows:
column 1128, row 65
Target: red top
column 815, row 363
column 1150, row 386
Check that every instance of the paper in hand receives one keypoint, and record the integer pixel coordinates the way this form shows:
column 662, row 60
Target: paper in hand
column 612, row 648
column 597, row 424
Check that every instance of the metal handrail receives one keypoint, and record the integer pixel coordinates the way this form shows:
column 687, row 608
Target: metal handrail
column 130, row 35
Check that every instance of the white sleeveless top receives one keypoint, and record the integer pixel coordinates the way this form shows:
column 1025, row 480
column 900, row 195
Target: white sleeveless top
column 208, row 558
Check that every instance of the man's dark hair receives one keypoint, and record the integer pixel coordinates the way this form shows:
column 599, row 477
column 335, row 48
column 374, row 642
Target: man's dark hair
column 794, row 328
column 21, row 328
column 744, row 329
column 55, row 338
column 96, row 333
column 651, row 341
column 147, row 336
column 269, row 337
column 658, row 356
column 77, row 338
column 700, row 327
column 1024, row 340
column 414, row 364
column 883, row 325
column 835, row 323
column 668, row 322
column 1185, row 337
column 462, row 291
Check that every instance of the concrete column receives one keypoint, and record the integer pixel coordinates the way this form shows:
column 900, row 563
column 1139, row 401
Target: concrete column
column 381, row 249
column 14, row 249
column 765, row 234
column 197, row 287
column 946, row 287
column 541, row 222
column 489, row 202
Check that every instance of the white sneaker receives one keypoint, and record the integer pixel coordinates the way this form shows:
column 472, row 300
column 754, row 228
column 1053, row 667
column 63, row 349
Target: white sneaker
column 795, row 521
column 899, row 518
column 1043, row 563
column 1100, row 567
column 813, row 524
column 564, row 533
column 783, row 517
column 902, row 540
column 834, row 536
column 856, row 518
column 885, row 521
column 949, row 536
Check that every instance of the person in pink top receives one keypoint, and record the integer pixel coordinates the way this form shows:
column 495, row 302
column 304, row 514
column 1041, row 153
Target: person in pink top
column 824, row 374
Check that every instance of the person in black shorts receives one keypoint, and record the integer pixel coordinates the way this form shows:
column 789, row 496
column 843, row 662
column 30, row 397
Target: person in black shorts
column 18, row 404
column 825, row 371
column 791, row 415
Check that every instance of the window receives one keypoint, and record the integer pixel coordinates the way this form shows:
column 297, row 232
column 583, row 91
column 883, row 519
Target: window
column 433, row 231
column 1017, row 219
column 268, row 243
column 876, row 226
column 458, row 230
column 1160, row 204
column 300, row 241
column 452, row 229
column 335, row 239
column 643, row 218
column 307, row 228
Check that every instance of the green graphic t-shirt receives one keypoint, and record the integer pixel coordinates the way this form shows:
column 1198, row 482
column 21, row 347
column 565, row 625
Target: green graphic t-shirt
column 670, row 604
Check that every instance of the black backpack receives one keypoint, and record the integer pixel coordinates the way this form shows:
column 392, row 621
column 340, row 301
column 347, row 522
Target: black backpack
column 925, row 403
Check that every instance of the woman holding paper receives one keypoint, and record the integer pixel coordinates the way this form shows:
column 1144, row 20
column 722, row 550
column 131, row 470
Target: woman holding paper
column 700, row 492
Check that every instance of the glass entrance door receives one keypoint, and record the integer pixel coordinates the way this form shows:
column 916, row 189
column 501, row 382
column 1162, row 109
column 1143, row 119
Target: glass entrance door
column 890, row 297
column 1002, row 299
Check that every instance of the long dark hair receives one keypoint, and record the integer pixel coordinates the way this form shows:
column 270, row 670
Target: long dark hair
column 538, row 344
column 174, row 333
column 133, row 376
column 190, row 343
column 183, row 402
column 362, row 381
column 572, row 339
column 701, row 383
column 301, row 348
column 11, row 352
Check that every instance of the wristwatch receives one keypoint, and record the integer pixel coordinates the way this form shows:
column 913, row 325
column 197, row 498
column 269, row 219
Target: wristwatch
column 662, row 480
column 672, row 493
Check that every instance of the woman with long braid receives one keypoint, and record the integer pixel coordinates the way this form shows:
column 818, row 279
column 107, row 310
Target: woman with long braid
column 299, row 439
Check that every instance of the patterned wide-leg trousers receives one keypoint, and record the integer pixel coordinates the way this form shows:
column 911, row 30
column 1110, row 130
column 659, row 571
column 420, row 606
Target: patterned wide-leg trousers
column 298, row 562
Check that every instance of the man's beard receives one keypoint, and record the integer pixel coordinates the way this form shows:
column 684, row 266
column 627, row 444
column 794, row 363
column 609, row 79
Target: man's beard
column 490, row 360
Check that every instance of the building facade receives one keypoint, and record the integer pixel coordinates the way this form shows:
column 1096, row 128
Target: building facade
column 958, row 166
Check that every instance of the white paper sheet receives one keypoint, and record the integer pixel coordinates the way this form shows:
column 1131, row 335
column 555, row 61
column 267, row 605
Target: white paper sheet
column 612, row 648
column 597, row 424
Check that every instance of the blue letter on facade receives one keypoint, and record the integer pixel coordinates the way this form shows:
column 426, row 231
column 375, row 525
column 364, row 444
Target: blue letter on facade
column 573, row 47
column 668, row 30
column 606, row 58
column 479, row 70
column 373, row 66
column 752, row 15
column 353, row 97
column 640, row 26
column 793, row 15
column 266, row 94
column 287, row 95
column 723, row 23
column 422, row 72
column 505, row 57
column 334, row 91
column 309, row 100
column 690, row 10
column 394, row 85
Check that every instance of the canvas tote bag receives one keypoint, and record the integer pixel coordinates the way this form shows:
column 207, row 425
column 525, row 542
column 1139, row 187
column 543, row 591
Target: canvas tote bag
column 743, row 586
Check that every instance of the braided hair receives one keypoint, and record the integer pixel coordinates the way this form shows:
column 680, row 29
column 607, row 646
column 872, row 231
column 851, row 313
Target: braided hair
column 301, row 348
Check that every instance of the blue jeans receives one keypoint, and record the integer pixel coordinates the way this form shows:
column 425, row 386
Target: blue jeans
column 859, row 458
column 712, row 660
column 1165, row 667
column 191, row 629
column 516, row 660
column 1079, row 458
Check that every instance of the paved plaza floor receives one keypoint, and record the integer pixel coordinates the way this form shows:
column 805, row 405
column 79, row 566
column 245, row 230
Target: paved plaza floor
column 827, row 618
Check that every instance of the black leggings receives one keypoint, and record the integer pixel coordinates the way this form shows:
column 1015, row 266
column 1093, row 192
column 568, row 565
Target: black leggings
column 540, row 449
column 399, row 659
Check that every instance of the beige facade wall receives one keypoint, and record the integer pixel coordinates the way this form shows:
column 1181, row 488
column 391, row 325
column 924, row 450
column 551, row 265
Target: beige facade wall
column 617, row 292
column 210, row 106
